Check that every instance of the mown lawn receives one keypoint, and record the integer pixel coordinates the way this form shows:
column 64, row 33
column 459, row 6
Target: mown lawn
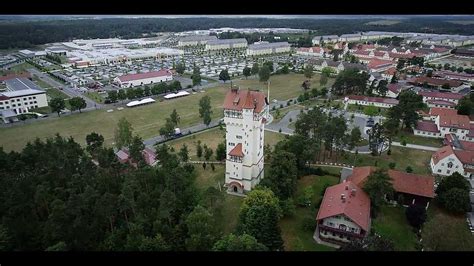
column 410, row 138
column 282, row 87
column 279, row 113
column 402, row 157
column 295, row 237
column 391, row 223
column 95, row 96
column 146, row 121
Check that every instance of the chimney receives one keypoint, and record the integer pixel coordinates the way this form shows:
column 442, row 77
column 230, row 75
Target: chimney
column 347, row 187
column 343, row 197
column 353, row 192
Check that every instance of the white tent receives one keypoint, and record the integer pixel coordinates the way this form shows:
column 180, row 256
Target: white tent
column 175, row 95
column 141, row 102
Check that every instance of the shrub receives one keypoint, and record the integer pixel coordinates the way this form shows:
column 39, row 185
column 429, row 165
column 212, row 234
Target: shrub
column 288, row 207
column 308, row 224
column 416, row 215
column 392, row 165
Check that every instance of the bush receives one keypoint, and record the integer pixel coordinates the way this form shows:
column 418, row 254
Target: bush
column 409, row 169
column 392, row 165
column 416, row 215
column 309, row 224
column 404, row 142
column 281, row 105
column 291, row 120
column 189, row 86
column 288, row 207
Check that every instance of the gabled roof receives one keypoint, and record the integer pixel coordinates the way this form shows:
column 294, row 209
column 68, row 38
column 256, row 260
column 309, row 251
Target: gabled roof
column 237, row 151
column 394, row 87
column 151, row 74
column 420, row 185
column 442, row 153
column 378, row 63
column 441, row 102
column 373, row 99
column 435, row 111
column 441, row 95
column 236, row 99
column 466, row 157
column 427, row 126
column 356, row 207
column 455, row 121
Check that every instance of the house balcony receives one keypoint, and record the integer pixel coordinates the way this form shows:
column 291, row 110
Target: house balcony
column 341, row 231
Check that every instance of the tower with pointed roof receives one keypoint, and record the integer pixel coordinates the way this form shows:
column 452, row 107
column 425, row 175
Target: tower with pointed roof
column 245, row 114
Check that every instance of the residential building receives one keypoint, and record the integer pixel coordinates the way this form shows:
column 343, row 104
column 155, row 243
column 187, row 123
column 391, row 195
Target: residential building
column 350, row 37
column 344, row 214
column 448, row 160
column 262, row 48
column 379, row 65
column 245, row 114
column 445, row 74
column 132, row 80
column 372, row 101
column 325, row 39
column 222, row 44
column 444, row 121
column 453, row 84
column 149, row 157
column 313, row 51
column 448, row 99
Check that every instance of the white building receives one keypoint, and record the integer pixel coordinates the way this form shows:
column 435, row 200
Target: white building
column 132, row 80
column 344, row 214
column 195, row 40
column 262, row 48
column 447, row 160
column 371, row 101
column 21, row 96
column 325, row 39
column 226, row 44
column 313, row 51
column 245, row 114
column 445, row 121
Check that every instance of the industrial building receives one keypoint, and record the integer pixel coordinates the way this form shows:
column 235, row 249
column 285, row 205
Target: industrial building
column 226, row 44
column 132, row 80
column 21, row 96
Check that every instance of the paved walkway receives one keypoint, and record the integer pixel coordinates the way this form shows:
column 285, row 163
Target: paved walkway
column 414, row 146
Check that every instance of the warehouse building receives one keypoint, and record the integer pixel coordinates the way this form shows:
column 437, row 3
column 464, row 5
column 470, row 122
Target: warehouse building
column 132, row 80
column 226, row 44
column 262, row 48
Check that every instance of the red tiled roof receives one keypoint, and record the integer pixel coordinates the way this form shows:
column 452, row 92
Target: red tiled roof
column 465, row 145
column 355, row 207
column 466, row 157
column 378, row 63
column 427, row 126
column 394, row 87
column 435, row 111
column 239, row 99
column 237, row 151
column 442, row 153
column 361, row 52
column 391, row 71
column 471, row 131
column 151, row 74
column 397, row 55
column 413, row 184
column 373, row 99
column 149, row 156
column 441, row 95
column 360, row 173
column 441, row 102
column 456, row 121
column 3, row 97
column 436, row 82
column 421, row 185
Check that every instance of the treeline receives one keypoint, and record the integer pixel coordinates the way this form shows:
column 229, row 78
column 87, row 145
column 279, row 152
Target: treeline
column 25, row 34
column 136, row 93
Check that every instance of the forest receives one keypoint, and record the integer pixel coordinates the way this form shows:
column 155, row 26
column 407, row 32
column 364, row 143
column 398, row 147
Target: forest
column 26, row 34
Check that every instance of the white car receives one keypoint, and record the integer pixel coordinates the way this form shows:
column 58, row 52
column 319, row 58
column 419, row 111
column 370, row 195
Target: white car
column 275, row 100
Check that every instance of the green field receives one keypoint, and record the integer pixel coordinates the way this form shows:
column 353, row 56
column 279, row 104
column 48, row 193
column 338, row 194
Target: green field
column 95, row 96
column 282, row 87
column 294, row 236
column 363, row 109
column 391, row 223
column 146, row 121
column 403, row 157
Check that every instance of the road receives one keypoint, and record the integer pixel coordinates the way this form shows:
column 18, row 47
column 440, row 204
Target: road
column 71, row 92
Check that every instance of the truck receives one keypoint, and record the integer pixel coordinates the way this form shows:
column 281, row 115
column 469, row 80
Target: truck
column 177, row 132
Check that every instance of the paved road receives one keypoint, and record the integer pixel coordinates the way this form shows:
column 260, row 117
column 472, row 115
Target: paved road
column 414, row 146
column 71, row 92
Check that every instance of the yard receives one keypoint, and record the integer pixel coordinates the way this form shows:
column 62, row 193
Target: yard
column 368, row 110
column 410, row 138
column 295, row 237
column 282, row 87
column 391, row 223
column 402, row 157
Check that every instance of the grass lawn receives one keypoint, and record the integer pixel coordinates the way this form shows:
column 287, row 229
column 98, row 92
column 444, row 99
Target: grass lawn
column 403, row 157
column 294, row 236
column 41, row 83
column 283, row 111
column 363, row 109
column 95, row 96
column 18, row 68
column 146, row 121
column 410, row 138
column 282, row 87
column 391, row 223
column 55, row 93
